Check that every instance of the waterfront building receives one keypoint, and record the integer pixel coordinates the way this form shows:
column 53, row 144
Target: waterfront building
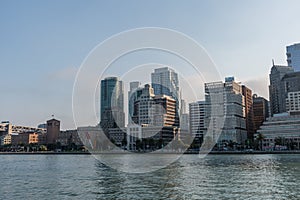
column 277, row 90
column 260, row 111
column 53, row 130
column 118, row 136
column 225, row 112
column 5, row 128
column 25, row 138
column 69, row 138
column 134, row 132
column 281, row 129
column 5, row 139
column 160, row 136
column 112, row 104
column 293, row 56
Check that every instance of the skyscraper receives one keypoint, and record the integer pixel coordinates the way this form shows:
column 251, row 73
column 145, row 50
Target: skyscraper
column 277, row 88
column 247, row 93
column 260, row 111
column 197, row 118
column 112, row 103
column 225, row 111
column 293, row 56
column 132, row 96
column 165, row 82
column 155, row 110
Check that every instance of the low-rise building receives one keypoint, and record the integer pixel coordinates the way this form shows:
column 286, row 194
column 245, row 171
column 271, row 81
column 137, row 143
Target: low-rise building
column 5, row 139
column 281, row 129
column 25, row 138
column 69, row 137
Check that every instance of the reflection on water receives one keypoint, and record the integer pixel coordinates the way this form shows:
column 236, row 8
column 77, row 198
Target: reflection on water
column 213, row 177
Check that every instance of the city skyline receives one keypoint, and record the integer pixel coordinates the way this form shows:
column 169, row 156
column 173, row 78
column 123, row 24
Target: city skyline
column 41, row 52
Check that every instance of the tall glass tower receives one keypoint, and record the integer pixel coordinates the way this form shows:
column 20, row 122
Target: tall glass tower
column 112, row 103
column 293, row 56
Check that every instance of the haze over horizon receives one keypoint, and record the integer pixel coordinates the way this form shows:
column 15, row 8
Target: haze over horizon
column 43, row 44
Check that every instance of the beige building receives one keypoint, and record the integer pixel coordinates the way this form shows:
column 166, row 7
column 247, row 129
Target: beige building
column 25, row 138
column 5, row 139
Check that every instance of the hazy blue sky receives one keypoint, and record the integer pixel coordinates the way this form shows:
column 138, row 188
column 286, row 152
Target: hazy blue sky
column 43, row 43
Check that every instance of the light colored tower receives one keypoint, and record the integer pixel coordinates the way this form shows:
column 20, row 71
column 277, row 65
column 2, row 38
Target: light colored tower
column 165, row 82
column 225, row 102
column 277, row 89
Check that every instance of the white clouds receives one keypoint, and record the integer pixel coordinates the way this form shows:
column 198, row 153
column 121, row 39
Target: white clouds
column 259, row 85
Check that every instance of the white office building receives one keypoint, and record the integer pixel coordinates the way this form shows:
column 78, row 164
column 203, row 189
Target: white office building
column 293, row 101
column 197, row 117
column 225, row 112
column 285, row 127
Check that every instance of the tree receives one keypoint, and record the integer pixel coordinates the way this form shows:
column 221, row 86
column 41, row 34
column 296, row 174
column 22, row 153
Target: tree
column 260, row 138
column 138, row 144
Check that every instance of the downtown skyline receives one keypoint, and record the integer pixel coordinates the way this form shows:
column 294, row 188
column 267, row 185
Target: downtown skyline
column 41, row 52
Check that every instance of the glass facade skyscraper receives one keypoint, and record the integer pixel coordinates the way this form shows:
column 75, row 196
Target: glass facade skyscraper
column 112, row 103
column 293, row 56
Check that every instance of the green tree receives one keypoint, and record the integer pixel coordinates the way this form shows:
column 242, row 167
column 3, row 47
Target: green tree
column 260, row 138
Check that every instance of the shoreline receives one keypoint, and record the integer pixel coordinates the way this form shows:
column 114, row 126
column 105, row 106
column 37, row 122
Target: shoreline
column 187, row 153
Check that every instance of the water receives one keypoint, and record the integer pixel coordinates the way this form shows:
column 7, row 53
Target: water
column 214, row 177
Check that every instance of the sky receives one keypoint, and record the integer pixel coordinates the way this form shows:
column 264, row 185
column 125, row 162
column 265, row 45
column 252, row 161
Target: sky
column 44, row 43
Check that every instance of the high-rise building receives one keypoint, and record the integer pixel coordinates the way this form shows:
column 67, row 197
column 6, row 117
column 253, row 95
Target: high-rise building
column 165, row 82
column 225, row 112
column 293, row 56
column 150, row 109
column 197, row 118
column 293, row 101
column 112, row 103
column 132, row 96
column 260, row 111
column 277, row 88
column 247, row 93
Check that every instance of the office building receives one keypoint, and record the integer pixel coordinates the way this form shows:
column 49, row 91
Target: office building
column 225, row 112
column 277, row 90
column 283, row 129
column 247, row 93
column 154, row 110
column 165, row 82
column 260, row 111
column 112, row 104
column 25, row 138
column 293, row 56
column 132, row 96
column 293, row 101
column 197, row 117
